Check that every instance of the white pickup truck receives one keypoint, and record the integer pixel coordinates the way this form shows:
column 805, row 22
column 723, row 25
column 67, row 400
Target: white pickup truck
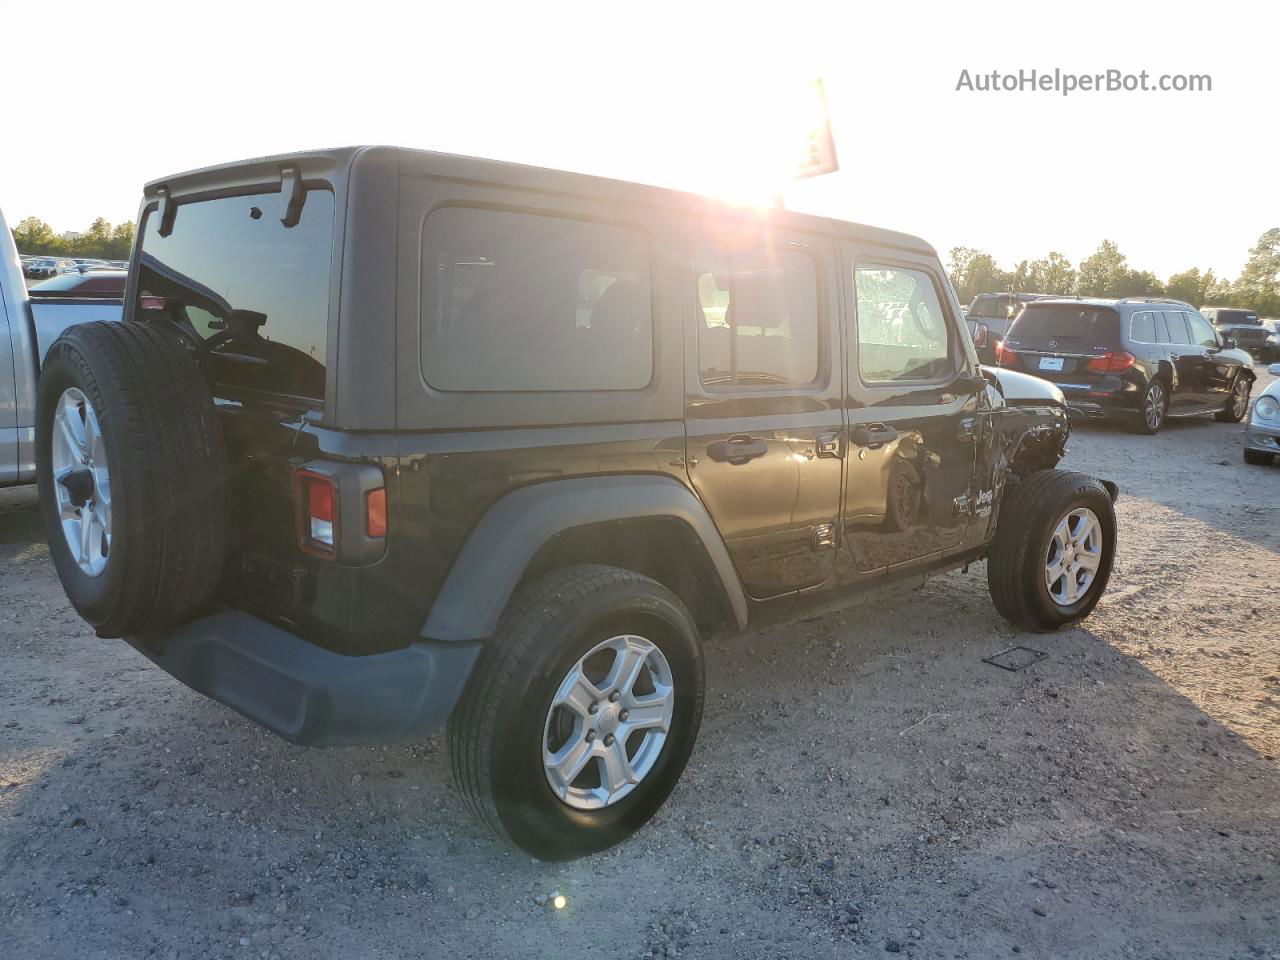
column 27, row 329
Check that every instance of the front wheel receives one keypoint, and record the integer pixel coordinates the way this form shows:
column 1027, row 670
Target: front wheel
column 1053, row 551
column 1259, row 458
column 1235, row 409
column 581, row 714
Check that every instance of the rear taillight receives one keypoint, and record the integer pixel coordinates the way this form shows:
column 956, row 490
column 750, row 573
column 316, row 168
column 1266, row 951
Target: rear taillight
column 1113, row 361
column 375, row 512
column 316, row 497
column 1004, row 356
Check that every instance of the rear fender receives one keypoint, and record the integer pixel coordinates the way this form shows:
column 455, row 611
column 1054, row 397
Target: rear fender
column 499, row 549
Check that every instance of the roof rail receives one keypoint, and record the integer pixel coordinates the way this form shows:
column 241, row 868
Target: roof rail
column 1180, row 303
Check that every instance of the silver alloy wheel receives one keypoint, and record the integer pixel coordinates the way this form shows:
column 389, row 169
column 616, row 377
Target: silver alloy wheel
column 1074, row 555
column 608, row 722
column 1239, row 399
column 81, row 482
column 1153, row 405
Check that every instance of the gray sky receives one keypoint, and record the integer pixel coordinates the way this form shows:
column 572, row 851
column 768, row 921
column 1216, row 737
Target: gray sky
column 690, row 95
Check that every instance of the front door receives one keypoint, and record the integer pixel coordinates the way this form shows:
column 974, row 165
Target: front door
column 763, row 420
column 914, row 417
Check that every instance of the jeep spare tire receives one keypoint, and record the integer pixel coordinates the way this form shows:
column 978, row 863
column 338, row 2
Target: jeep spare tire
column 132, row 475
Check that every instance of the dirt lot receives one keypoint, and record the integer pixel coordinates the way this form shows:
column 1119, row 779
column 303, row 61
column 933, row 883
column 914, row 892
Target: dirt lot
column 863, row 784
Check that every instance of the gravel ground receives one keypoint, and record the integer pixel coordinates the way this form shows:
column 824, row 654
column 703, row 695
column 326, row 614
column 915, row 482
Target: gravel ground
column 864, row 784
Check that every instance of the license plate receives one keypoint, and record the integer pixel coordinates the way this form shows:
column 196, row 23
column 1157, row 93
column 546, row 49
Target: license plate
column 1050, row 363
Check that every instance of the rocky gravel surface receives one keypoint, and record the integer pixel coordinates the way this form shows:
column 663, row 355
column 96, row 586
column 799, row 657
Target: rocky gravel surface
column 864, row 784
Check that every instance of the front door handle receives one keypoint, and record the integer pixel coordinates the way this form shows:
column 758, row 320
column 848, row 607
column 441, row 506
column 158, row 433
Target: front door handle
column 737, row 449
column 872, row 434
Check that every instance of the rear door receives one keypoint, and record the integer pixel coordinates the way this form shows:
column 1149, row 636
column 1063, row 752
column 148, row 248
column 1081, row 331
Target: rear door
column 914, row 416
column 1190, row 391
column 763, row 412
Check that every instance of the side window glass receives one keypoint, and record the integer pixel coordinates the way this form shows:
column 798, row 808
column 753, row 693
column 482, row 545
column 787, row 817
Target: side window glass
column 523, row 302
column 1202, row 334
column 1144, row 328
column 902, row 331
column 1162, row 328
column 758, row 323
column 1179, row 332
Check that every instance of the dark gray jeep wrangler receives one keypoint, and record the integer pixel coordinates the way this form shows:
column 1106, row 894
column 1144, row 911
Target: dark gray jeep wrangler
column 391, row 438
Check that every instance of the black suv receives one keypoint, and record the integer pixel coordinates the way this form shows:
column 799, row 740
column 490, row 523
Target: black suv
column 389, row 438
column 1246, row 329
column 1145, row 359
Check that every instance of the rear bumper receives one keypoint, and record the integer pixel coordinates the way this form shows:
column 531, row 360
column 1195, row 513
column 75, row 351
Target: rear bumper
column 310, row 695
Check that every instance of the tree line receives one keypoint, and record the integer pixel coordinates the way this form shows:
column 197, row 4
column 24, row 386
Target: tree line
column 1106, row 273
column 101, row 241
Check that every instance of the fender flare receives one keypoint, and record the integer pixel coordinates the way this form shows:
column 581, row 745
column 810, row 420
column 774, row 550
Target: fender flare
column 512, row 531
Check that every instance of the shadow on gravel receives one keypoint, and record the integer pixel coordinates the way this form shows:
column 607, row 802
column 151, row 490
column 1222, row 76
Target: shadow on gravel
column 862, row 779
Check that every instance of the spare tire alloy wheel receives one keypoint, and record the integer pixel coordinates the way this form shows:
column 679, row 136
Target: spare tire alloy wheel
column 82, row 482
column 608, row 722
column 131, row 468
column 1074, row 556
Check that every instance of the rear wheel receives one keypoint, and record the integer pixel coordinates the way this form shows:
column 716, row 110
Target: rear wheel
column 1259, row 458
column 1053, row 550
column 1237, row 405
column 1154, row 407
column 581, row 714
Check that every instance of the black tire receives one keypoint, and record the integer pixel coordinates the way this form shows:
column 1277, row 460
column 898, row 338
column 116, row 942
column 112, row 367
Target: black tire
column 1259, row 458
column 1016, row 563
column 167, row 466
column 1144, row 423
column 1238, row 404
column 496, row 732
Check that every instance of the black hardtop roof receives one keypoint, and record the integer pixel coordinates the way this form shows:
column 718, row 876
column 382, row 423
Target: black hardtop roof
column 541, row 178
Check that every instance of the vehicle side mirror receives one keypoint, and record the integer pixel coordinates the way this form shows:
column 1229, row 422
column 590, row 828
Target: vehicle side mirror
column 1228, row 343
column 980, row 334
column 1274, row 369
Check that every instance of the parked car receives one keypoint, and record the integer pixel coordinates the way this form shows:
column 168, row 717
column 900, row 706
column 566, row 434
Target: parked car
column 1243, row 326
column 524, row 522
column 97, row 284
column 994, row 312
column 1262, row 432
column 27, row 329
column 1142, row 358
column 1271, row 346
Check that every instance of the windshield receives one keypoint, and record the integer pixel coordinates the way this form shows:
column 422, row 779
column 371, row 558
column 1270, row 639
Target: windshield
column 256, row 291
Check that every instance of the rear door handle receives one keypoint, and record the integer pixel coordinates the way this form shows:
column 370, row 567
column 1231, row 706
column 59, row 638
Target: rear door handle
column 737, row 449
column 873, row 434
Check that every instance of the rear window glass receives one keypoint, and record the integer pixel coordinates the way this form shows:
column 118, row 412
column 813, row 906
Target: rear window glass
column 759, row 316
column 523, row 302
column 1236, row 316
column 256, row 291
column 1098, row 325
